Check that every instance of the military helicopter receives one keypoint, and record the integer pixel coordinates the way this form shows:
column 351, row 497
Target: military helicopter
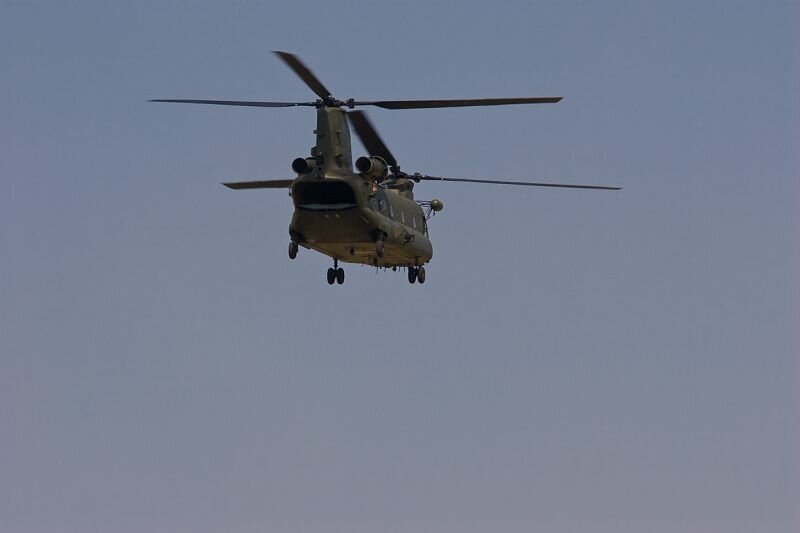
column 367, row 215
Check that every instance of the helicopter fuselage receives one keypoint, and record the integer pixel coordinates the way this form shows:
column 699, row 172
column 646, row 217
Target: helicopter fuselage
column 345, row 217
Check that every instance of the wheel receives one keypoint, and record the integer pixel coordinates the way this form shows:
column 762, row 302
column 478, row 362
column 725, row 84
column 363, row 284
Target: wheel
column 379, row 246
column 292, row 250
column 331, row 276
column 339, row 276
column 412, row 274
column 421, row 275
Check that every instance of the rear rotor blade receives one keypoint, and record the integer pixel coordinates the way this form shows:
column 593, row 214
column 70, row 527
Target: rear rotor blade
column 369, row 136
column 473, row 102
column 417, row 177
column 235, row 102
column 265, row 184
column 305, row 74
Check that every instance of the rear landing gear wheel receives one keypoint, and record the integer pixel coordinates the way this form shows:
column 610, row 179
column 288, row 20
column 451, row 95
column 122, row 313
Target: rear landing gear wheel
column 292, row 250
column 339, row 276
column 379, row 248
column 331, row 276
column 412, row 274
column 421, row 275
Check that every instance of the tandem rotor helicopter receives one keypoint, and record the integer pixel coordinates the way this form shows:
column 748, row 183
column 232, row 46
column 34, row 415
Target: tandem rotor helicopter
column 367, row 215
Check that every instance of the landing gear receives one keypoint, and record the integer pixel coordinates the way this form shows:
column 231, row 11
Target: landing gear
column 416, row 274
column 379, row 248
column 335, row 274
column 292, row 250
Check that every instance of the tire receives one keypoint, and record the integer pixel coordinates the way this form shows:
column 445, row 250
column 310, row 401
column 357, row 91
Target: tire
column 331, row 276
column 292, row 250
column 339, row 276
column 412, row 274
column 421, row 275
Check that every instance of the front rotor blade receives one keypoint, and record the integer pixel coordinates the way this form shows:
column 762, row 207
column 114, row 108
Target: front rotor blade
column 427, row 104
column 265, row 184
column 235, row 102
column 369, row 136
column 417, row 177
column 305, row 74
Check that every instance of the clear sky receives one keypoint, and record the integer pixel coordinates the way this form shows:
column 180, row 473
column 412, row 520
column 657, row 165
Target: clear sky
column 578, row 361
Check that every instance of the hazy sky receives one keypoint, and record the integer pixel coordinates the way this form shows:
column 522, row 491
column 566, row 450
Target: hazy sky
column 578, row 361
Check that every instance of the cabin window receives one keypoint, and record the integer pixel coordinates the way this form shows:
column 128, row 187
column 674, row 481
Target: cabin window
column 381, row 204
column 324, row 196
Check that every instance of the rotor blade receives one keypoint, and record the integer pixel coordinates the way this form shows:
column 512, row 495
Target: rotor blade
column 416, row 177
column 266, row 184
column 305, row 74
column 427, row 104
column 235, row 102
column 369, row 136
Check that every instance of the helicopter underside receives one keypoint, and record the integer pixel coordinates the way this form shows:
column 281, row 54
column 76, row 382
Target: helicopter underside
column 364, row 253
column 352, row 235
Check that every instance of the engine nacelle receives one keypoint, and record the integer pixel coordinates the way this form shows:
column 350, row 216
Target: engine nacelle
column 373, row 168
column 303, row 165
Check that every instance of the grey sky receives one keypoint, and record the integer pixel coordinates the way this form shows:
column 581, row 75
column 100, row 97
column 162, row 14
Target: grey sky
column 577, row 361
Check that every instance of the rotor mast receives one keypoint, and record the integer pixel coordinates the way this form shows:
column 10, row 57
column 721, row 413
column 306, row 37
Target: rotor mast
column 333, row 150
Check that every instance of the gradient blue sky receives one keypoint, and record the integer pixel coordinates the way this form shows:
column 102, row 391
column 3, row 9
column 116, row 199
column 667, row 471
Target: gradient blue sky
column 578, row 361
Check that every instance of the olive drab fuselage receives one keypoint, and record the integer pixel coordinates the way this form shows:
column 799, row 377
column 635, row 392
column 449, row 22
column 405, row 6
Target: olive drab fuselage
column 346, row 215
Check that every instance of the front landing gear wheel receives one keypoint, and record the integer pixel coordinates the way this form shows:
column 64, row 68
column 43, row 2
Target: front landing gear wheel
column 421, row 275
column 331, row 276
column 292, row 250
column 339, row 276
column 412, row 274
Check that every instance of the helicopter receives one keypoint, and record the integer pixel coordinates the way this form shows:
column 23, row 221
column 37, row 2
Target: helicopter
column 363, row 212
